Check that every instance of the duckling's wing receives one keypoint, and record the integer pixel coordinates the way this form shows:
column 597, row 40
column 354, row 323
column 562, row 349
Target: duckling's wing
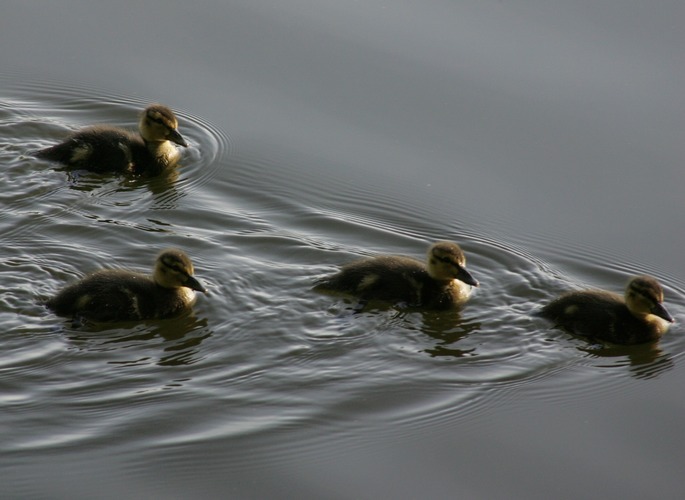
column 587, row 313
column 386, row 278
column 61, row 153
column 105, row 296
column 98, row 149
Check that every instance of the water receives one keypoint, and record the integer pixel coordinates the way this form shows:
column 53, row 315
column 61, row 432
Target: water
column 545, row 139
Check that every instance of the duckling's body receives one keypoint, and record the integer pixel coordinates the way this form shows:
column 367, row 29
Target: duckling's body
column 637, row 318
column 102, row 148
column 117, row 295
column 441, row 283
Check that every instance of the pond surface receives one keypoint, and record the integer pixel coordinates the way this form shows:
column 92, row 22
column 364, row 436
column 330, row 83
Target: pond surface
column 546, row 139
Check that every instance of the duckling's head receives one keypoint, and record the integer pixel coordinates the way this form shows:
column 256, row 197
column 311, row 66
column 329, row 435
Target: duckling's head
column 158, row 124
column 446, row 261
column 644, row 296
column 173, row 269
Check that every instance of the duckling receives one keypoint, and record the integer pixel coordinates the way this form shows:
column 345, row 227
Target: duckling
column 441, row 283
column 102, row 148
column 638, row 318
column 116, row 295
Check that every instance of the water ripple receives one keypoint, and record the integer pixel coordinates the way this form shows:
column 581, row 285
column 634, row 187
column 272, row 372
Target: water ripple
column 264, row 354
column 38, row 113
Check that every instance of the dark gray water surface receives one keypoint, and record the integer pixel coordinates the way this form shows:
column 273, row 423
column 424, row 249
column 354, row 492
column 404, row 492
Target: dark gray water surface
column 545, row 138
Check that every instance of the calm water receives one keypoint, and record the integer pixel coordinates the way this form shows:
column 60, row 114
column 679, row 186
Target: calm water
column 545, row 139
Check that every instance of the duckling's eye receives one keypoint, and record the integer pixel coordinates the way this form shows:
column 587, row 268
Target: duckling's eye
column 174, row 266
column 450, row 262
column 652, row 301
column 648, row 299
column 156, row 118
column 157, row 121
column 180, row 270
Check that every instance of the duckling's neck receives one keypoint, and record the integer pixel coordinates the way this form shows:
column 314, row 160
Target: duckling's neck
column 187, row 295
column 164, row 152
column 658, row 324
column 654, row 323
column 463, row 291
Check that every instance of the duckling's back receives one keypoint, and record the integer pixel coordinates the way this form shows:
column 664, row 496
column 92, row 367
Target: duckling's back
column 110, row 296
column 599, row 315
column 99, row 149
column 390, row 279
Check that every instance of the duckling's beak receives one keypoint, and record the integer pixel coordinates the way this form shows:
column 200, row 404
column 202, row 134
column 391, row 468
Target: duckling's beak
column 660, row 310
column 175, row 136
column 465, row 276
column 194, row 284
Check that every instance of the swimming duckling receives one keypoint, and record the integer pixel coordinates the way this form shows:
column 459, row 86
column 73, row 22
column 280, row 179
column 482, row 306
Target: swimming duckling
column 441, row 283
column 102, row 148
column 639, row 317
column 117, row 295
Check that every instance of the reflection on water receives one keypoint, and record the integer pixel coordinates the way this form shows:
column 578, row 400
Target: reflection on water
column 180, row 340
column 284, row 352
column 448, row 329
column 645, row 361
column 162, row 187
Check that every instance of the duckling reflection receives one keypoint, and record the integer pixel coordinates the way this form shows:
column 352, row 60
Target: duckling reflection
column 442, row 282
column 646, row 360
column 102, row 148
column 449, row 330
column 116, row 295
column 636, row 318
